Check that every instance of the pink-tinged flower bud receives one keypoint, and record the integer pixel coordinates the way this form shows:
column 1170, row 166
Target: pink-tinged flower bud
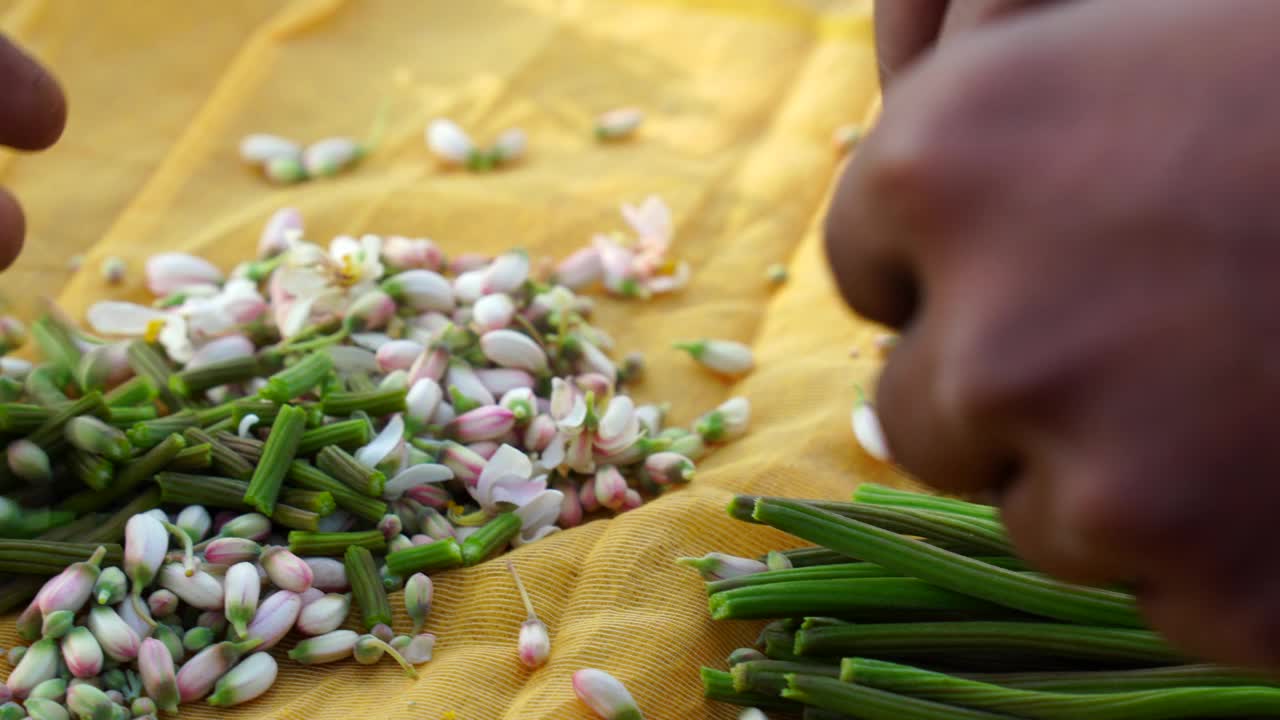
column 468, row 287
column 430, row 365
column 407, row 253
column 162, row 603
column 370, row 648
column 417, row 649
column 241, row 597
column 568, row 407
column 650, row 418
column 82, row 653
column 435, row 525
column 512, row 349
column 484, row 423
column 570, row 505
column 433, row 496
column 449, row 142
column 89, row 703
column 595, row 383
column 421, row 290
column 328, row 574
column 370, row 311
column 580, row 269
column 29, row 461
column 578, row 455
column 500, row 381
column 134, row 614
column 155, row 665
column 171, row 272
column 311, row 595
column 383, row 632
column 104, row 366
column 605, row 695
column 417, row 599
column 330, row 156
column 197, row 675
column 665, row 468
column 281, row 226
column 246, row 681
column 719, row 566
column 397, row 355
column 327, row 648
column 594, row 360
column 422, row 400
column 71, row 589
column 507, row 273
column 276, row 616
column 38, row 664
column 200, row 590
column 587, row 495
column 195, row 521
column 286, row 570
column 465, row 464
column 92, row 435
column 229, row 347
column 57, row 624
column 493, row 312
column 231, row 550
column 631, row 500
column 467, row 262
column 521, row 402
column 421, row 539
column 117, row 639
column 726, row 422
column 868, row 431
column 324, row 615
column 534, row 646
column 509, row 145
column 250, row 525
column 726, row 357
column 539, row 433
column 610, row 487
column 215, row 620
column 258, row 148
column 464, row 380
column 618, row 124
column 145, row 543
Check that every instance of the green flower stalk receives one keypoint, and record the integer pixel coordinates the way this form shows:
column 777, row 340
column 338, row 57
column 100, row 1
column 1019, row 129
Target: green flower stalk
column 335, row 543
column 489, row 539
column 150, row 433
column 867, row 599
column 278, row 452
column 225, row 461
column 376, row 403
column 351, row 472
column 297, row 379
column 97, row 473
column 346, row 434
column 191, row 382
column 366, row 587
column 20, row 419
column 131, row 476
column 246, row 681
column 872, row 704
column 769, row 676
column 306, row 476
column 147, row 362
column 137, row 390
column 439, row 555
column 876, row 494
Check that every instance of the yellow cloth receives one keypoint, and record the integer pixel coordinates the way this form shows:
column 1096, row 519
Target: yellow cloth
column 741, row 98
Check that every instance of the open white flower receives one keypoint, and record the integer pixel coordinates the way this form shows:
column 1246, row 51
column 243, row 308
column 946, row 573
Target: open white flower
column 507, row 480
column 316, row 284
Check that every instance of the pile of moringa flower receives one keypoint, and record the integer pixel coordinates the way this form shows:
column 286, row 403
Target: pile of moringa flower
column 276, row 448
column 912, row 607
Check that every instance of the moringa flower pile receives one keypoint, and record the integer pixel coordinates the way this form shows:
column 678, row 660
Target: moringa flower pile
column 289, row 442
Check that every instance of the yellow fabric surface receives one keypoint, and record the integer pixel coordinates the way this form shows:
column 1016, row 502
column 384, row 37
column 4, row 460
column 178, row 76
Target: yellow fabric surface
column 741, row 97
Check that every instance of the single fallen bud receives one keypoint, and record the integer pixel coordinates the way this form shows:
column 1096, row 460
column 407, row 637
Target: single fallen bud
column 195, row 521
column 89, row 703
column 369, row 649
column 174, row 272
column 449, row 142
column 422, row 290
column 328, row 574
column 29, row 461
column 727, row 357
column 846, row 137
column 252, row 526
column 417, row 599
column 82, row 653
column 328, row 157
column 259, row 148
column 534, row 645
column 284, row 170
column 242, row 589
column 868, row 431
column 57, row 624
column 326, row 614
column 111, row 587
column 118, row 640
column 200, row 590
column 92, row 435
column 71, row 589
column 777, row 273
column 197, row 675
column 162, row 603
column 618, row 124
column 719, row 566
column 145, row 543
column 38, row 663
column 286, row 570
column 726, row 422
column 605, row 695
column 156, row 666
column 275, row 617
column 113, row 270
column 484, row 423
column 492, row 312
column 231, row 550
column 246, row 681
column 417, row 649
column 327, row 648
column 509, row 146
column 665, row 468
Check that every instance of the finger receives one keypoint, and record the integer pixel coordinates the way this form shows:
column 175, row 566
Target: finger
column 970, row 14
column 33, row 110
column 12, row 228
column 904, row 29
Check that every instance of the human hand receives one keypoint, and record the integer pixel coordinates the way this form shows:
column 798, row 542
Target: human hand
column 1070, row 214
column 32, row 114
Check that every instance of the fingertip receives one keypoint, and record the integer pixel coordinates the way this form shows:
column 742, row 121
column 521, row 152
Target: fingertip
column 12, row 229
column 33, row 113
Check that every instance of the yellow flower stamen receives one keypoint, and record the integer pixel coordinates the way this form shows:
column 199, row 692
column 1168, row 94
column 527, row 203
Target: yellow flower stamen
column 153, row 330
column 349, row 274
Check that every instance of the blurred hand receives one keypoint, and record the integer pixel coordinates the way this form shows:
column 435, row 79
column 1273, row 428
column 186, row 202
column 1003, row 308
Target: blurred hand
column 32, row 114
column 1070, row 212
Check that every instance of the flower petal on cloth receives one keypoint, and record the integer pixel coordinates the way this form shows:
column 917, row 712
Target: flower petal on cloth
column 382, row 445
column 110, row 317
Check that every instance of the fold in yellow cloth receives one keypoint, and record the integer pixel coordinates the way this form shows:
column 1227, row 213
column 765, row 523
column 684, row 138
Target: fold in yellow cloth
column 741, row 99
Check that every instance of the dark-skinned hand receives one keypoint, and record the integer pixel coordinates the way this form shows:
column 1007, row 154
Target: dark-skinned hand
column 1069, row 209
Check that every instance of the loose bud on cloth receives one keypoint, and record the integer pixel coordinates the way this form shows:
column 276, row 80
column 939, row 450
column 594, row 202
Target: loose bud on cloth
column 286, row 570
column 726, row 357
column 510, row 145
column 745, row 654
column 610, row 487
column 326, row 614
column 284, row 170
column 718, row 566
column 57, row 624
column 173, row 272
column 197, row 675
column 71, row 589
column 417, row 649
column 250, row 525
column 258, row 148
column 195, row 521
column 512, row 349
column 200, row 590
column 330, row 156
column 534, row 644
column 111, row 587
column 89, row 703
column 369, row 649
column 665, row 468
column 231, row 550
column 113, row 270
column 246, row 681
column 418, row 590
column 38, row 664
column 243, row 587
column 275, row 617
column 155, row 665
column 868, row 431
column 82, row 653
column 119, row 641
column 29, row 461
column 327, row 648
column 726, row 422
column 605, row 695
column 618, row 124
column 449, row 142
